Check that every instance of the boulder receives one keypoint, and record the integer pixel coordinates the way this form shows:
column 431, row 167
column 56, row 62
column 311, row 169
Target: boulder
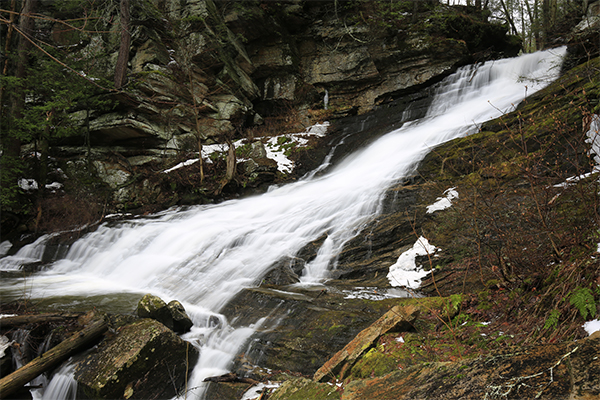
column 151, row 306
column 397, row 319
column 181, row 321
column 144, row 360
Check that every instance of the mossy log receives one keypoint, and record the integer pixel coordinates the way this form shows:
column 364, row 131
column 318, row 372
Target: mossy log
column 53, row 357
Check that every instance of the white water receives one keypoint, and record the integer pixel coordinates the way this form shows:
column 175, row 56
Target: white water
column 63, row 385
column 205, row 255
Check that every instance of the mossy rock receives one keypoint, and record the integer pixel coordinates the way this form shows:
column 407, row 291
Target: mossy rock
column 306, row 389
column 134, row 364
column 151, row 306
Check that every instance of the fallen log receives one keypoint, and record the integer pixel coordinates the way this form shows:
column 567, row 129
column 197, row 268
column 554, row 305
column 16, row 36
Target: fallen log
column 53, row 357
column 230, row 377
column 9, row 322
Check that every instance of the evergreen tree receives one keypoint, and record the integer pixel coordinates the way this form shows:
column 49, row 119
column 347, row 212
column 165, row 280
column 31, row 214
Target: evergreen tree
column 43, row 84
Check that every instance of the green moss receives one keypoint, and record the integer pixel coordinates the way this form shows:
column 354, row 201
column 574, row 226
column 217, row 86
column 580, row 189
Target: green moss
column 374, row 363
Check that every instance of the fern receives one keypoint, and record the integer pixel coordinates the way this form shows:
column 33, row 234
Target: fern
column 583, row 300
column 552, row 321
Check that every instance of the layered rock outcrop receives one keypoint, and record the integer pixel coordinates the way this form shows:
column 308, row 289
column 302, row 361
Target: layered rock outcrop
column 203, row 72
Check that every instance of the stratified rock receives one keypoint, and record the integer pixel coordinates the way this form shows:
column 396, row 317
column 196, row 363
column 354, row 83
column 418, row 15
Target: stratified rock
column 151, row 306
column 397, row 319
column 181, row 321
column 145, row 360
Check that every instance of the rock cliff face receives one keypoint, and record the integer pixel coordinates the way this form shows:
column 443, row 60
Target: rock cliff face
column 203, row 73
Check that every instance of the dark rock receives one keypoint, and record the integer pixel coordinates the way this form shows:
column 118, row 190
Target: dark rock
column 302, row 328
column 145, row 360
column 281, row 274
column 181, row 321
column 154, row 307
column 226, row 390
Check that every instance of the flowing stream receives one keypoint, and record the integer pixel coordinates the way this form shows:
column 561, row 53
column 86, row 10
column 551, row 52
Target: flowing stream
column 205, row 255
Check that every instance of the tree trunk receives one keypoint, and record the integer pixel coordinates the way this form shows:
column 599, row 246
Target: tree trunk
column 231, row 162
column 200, row 160
column 11, row 140
column 509, row 17
column 52, row 358
column 121, row 67
column 545, row 19
column 9, row 322
column 7, row 45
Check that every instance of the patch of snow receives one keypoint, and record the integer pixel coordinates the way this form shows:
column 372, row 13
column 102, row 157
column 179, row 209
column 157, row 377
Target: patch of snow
column 593, row 138
column 207, row 150
column 54, row 186
column 276, row 151
column 574, row 179
column 375, row 294
column 592, row 326
column 319, row 130
column 255, row 391
column 28, row 184
column 181, row 164
column 443, row 202
column 405, row 271
column 5, row 247
column 5, row 343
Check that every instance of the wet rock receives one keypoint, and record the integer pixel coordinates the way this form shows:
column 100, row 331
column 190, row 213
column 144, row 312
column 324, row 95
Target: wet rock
column 181, row 321
column 226, row 390
column 302, row 328
column 281, row 274
column 151, row 306
column 144, row 360
column 397, row 319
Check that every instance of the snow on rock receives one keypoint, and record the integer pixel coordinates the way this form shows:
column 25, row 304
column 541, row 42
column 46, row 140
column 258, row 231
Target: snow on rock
column 405, row 271
column 593, row 138
column 276, row 147
column 443, row 202
column 54, row 186
column 5, row 342
column 28, row 184
column 5, row 247
column 592, row 326
column 181, row 164
column 255, row 392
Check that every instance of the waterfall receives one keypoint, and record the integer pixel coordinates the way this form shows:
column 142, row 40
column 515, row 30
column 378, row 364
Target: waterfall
column 63, row 385
column 205, row 255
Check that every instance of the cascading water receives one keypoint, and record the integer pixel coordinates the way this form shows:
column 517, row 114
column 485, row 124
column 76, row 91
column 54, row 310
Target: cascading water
column 205, row 255
column 63, row 385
